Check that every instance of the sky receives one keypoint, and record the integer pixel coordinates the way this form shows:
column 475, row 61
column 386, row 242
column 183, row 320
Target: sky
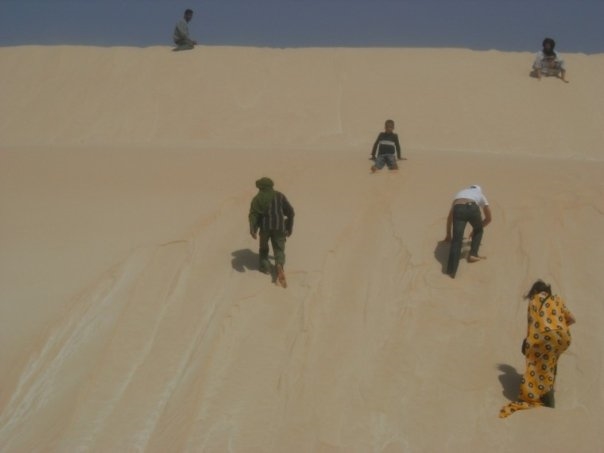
column 508, row 25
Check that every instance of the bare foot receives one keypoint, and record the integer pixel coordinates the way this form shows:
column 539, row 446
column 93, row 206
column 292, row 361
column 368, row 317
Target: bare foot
column 373, row 169
column 281, row 276
column 474, row 259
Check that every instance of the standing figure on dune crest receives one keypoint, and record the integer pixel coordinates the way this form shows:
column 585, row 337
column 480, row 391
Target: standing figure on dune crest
column 547, row 337
column 466, row 208
column 273, row 216
column 548, row 62
column 181, row 32
column 386, row 149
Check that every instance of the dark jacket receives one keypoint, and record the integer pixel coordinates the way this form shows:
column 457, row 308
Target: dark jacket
column 276, row 215
column 386, row 143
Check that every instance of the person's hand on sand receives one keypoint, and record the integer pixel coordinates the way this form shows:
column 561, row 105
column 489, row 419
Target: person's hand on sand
column 254, row 235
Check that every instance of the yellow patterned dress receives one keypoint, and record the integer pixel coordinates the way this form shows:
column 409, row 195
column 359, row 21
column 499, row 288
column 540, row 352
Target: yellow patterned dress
column 547, row 338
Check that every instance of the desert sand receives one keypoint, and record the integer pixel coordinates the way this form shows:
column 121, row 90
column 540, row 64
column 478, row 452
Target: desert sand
column 133, row 316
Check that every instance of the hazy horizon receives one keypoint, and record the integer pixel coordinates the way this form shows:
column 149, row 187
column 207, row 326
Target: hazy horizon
column 480, row 25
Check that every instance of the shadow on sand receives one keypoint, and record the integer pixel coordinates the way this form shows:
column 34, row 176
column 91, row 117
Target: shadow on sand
column 510, row 381
column 245, row 259
column 441, row 253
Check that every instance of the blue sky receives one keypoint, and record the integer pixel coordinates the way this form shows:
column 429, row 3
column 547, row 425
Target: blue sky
column 512, row 25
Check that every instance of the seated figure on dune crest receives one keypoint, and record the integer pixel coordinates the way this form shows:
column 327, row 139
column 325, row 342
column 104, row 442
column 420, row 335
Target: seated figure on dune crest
column 386, row 149
column 548, row 62
column 181, row 33
column 547, row 337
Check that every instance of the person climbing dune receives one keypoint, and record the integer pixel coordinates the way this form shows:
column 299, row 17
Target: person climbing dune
column 271, row 218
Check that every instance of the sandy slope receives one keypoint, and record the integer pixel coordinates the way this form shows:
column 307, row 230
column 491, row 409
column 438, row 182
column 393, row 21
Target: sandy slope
column 442, row 99
column 133, row 317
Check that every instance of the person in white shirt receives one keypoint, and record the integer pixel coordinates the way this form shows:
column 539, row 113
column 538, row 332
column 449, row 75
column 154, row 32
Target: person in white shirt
column 548, row 62
column 466, row 208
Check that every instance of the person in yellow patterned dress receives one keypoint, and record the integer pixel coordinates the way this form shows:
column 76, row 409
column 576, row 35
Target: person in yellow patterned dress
column 548, row 336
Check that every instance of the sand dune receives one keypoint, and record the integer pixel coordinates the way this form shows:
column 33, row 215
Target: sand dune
column 442, row 99
column 133, row 315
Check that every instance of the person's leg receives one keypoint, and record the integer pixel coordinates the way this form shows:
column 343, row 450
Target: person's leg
column 391, row 161
column 379, row 163
column 475, row 219
column 532, row 385
column 558, row 341
column 548, row 399
column 537, row 379
column 278, row 243
column 183, row 44
column 459, row 225
column 538, row 73
column 263, row 252
column 562, row 72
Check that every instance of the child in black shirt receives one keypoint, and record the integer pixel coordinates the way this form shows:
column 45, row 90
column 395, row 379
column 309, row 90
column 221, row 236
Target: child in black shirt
column 386, row 149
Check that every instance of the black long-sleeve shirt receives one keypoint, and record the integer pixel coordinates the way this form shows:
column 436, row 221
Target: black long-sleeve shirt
column 386, row 143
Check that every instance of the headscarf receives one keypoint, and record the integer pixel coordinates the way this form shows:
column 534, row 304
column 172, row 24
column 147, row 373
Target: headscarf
column 265, row 183
column 552, row 44
column 262, row 200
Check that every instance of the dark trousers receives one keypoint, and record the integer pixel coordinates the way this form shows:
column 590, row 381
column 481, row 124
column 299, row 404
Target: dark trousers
column 277, row 239
column 462, row 214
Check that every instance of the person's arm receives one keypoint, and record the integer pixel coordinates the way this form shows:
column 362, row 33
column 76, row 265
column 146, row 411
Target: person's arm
column 525, row 344
column 375, row 145
column 254, row 219
column 537, row 65
column 288, row 212
column 568, row 316
column 449, row 225
column 398, row 147
column 487, row 216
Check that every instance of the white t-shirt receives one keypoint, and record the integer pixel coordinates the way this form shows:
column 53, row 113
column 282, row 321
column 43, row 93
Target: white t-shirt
column 473, row 193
